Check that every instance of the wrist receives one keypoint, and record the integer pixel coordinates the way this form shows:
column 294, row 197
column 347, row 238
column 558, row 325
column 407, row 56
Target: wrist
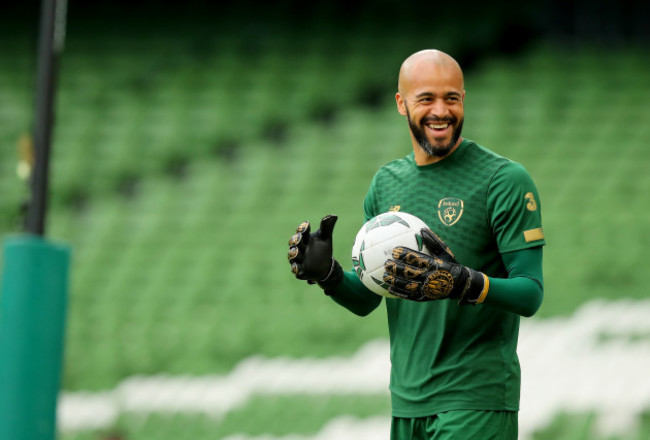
column 486, row 288
column 476, row 288
column 332, row 278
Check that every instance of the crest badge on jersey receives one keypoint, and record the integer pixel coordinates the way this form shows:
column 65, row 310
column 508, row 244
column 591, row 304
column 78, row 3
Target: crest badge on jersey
column 450, row 210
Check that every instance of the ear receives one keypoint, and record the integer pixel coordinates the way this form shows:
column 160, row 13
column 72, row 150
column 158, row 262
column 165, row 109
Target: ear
column 401, row 106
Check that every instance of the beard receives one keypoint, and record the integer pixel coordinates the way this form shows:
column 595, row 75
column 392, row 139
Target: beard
column 423, row 141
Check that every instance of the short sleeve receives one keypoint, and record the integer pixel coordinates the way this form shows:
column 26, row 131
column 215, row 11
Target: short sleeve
column 514, row 209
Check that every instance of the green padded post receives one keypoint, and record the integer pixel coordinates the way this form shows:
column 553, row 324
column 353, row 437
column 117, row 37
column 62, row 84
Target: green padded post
column 33, row 301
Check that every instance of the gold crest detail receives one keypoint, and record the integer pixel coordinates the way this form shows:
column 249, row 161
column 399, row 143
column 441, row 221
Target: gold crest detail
column 450, row 210
column 438, row 284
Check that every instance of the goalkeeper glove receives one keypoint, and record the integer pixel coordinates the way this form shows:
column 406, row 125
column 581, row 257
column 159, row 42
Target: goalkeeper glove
column 420, row 277
column 310, row 255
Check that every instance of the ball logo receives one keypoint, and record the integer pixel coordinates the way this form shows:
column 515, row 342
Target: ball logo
column 450, row 210
column 384, row 220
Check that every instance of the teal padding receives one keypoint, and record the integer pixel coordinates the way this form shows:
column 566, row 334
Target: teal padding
column 33, row 302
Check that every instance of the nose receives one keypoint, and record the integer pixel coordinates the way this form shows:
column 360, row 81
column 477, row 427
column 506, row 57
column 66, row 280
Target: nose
column 439, row 109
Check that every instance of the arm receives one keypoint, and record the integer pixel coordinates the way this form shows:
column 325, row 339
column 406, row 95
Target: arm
column 350, row 292
column 310, row 256
column 522, row 292
column 515, row 216
column 418, row 276
column 353, row 295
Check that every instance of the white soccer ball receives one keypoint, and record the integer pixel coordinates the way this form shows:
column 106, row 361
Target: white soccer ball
column 375, row 242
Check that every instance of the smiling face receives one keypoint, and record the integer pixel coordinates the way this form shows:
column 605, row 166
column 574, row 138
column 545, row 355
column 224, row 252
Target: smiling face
column 431, row 97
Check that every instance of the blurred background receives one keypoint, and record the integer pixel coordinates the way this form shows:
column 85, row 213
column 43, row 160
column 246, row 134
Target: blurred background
column 192, row 138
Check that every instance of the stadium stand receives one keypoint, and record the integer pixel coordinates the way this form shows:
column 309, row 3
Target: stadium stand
column 181, row 166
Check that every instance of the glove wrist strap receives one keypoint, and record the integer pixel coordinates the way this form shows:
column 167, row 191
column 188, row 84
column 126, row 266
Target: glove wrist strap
column 477, row 287
column 332, row 279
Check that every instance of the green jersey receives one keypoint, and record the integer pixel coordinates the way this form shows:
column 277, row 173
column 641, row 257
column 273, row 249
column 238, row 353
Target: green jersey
column 445, row 356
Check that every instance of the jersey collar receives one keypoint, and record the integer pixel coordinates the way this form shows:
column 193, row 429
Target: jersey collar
column 452, row 158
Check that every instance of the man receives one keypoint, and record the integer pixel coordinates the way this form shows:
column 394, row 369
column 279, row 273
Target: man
column 453, row 331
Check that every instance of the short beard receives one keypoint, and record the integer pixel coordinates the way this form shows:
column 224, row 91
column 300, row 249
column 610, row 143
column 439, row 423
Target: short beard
column 423, row 141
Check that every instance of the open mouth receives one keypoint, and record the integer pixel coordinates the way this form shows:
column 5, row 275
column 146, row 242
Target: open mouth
column 439, row 127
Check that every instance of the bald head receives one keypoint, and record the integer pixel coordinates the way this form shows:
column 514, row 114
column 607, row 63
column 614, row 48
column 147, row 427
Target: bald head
column 428, row 62
column 431, row 95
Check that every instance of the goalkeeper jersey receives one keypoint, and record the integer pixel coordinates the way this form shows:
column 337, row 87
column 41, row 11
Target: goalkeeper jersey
column 445, row 356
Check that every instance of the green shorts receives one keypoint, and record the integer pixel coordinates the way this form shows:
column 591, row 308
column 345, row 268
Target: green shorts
column 458, row 425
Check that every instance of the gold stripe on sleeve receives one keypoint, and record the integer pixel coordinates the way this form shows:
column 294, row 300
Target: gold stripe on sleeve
column 534, row 235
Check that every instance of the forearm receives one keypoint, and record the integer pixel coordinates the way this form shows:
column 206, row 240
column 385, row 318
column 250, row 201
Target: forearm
column 354, row 296
column 522, row 292
column 520, row 295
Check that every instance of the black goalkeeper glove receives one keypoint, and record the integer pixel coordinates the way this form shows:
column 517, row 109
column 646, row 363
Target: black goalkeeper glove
column 419, row 277
column 310, row 254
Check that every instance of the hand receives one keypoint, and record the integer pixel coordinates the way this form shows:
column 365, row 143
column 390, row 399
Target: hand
column 417, row 276
column 310, row 254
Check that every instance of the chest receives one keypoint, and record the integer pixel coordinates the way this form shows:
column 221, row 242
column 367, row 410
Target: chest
column 455, row 207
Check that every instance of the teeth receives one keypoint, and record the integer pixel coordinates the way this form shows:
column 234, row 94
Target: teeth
column 438, row 126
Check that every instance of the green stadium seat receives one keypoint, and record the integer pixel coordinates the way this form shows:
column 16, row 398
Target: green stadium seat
column 179, row 173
